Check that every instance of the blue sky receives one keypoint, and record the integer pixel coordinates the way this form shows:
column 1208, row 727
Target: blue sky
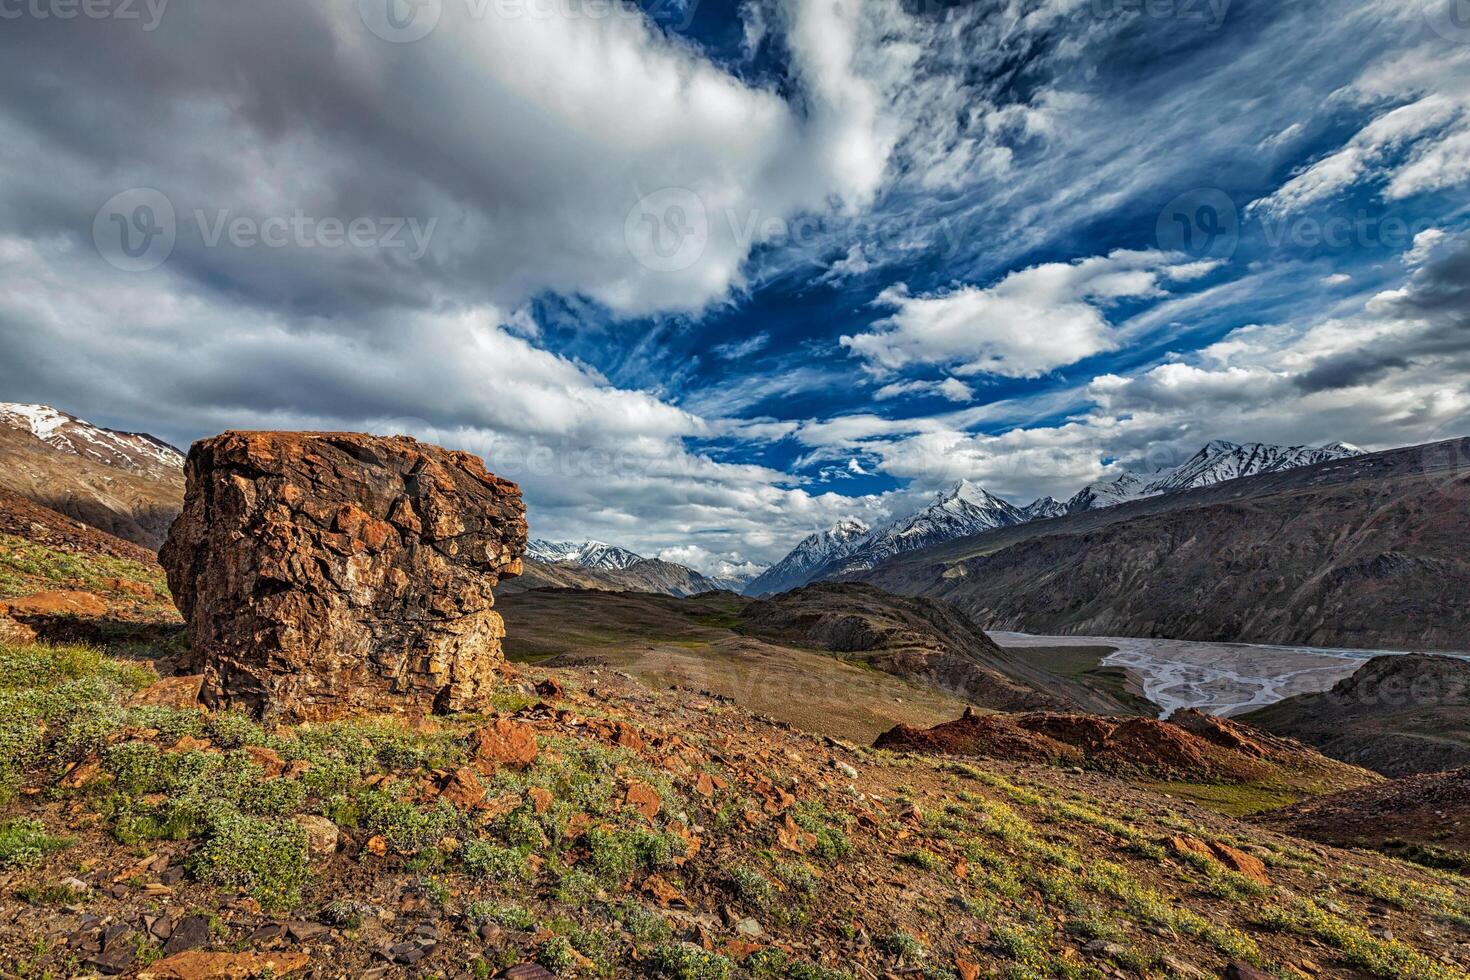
column 1025, row 242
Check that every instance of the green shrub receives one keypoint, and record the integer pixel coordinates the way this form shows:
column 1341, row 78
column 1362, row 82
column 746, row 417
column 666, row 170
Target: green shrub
column 493, row 862
column 266, row 857
column 681, row 961
column 25, row 842
column 510, row 916
column 754, row 888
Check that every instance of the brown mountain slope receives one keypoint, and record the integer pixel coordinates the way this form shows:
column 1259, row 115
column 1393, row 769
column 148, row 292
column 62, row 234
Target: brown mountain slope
column 649, row 575
column 918, row 639
column 1191, row 748
column 138, row 507
column 1424, row 817
column 1396, row 715
column 1367, row 552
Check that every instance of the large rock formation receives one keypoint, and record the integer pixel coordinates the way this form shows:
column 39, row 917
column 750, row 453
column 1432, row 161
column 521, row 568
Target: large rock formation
column 321, row 573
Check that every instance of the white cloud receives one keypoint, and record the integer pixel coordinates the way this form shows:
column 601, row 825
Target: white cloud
column 1336, row 279
column 1029, row 323
column 1419, row 141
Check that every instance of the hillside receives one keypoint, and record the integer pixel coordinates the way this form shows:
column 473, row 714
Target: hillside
column 1396, row 715
column 597, row 825
column 643, row 575
column 919, row 640
column 1362, row 552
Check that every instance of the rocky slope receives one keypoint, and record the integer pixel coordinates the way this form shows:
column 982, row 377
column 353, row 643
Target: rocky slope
column 592, row 825
column 1424, row 817
column 137, row 503
column 136, row 452
column 918, row 639
column 1364, row 552
column 1191, row 747
column 1396, row 715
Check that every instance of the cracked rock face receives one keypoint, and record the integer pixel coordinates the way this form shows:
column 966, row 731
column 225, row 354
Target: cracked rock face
column 325, row 573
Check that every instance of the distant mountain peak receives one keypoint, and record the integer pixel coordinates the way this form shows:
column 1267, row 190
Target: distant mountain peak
column 588, row 554
column 136, row 452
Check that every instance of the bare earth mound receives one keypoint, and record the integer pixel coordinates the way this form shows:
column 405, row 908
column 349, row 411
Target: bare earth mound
column 1416, row 816
column 1196, row 749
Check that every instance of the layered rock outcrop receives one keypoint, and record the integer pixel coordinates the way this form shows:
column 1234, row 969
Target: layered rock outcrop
column 323, row 573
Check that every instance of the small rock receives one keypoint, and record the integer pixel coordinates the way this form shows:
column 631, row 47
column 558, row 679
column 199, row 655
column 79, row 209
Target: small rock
column 171, row 692
column 504, row 742
column 195, row 965
column 322, row 835
column 190, row 933
column 749, row 928
column 304, row 932
column 845, row 769
column 1244, row 971
column 550, row 689
column 528, row 971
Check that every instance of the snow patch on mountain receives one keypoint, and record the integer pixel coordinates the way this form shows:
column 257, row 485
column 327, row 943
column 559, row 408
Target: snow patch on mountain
column 588, row 554
column 1044, row 508
column 958, row 512
column 135, row 452
column 809, row 557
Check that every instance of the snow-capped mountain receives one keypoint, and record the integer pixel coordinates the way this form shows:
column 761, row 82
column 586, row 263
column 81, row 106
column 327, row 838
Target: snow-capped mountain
column 588, row 554
column 1220, row 461
column 960, row 511
column 1127, row 487
column 1040, row 510
column 131, row 451
column 809, row 557
column 1215, row 463
column 966, row 509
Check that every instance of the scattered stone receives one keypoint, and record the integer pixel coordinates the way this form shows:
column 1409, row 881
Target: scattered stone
column 844, row 768
column 528, row 971
column 541, row 799
column 643, row 798
column 15, row 632
column 749, row 928
column 190, row 933
column 1244, row 971
column 463, row 788
column 322, row 836
column 305, row 932
column 171, row 692
column 550, row 689
column 195, row 965
column 504, row 743
column 325, row 573
column 267, row 934
column 268, row 760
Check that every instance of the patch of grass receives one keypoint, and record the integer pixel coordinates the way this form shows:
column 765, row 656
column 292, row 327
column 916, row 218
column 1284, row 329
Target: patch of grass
column 1232, row 800
column 502, row 865
column 24, row 563
column 927, row 860
column 643, row 923
column 24, row 843
column 266, row 857
column 754, row 888
column 556, row 954
column 1387, row 958
column 509, row 916
column 773, row 964
column 680, row 961
column 904, row 945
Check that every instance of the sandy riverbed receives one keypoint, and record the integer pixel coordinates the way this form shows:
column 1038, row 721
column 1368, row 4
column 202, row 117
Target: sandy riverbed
column 1221, row 678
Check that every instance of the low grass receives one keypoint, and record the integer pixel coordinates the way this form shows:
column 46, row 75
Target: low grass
column 1235, row 800
column 26, row 564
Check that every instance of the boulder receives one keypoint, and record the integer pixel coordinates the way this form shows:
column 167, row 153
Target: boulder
column 326, row 573
column 82, row 605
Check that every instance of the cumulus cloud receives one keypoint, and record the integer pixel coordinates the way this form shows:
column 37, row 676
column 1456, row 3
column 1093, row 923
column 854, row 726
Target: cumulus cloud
column 1030, row 322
